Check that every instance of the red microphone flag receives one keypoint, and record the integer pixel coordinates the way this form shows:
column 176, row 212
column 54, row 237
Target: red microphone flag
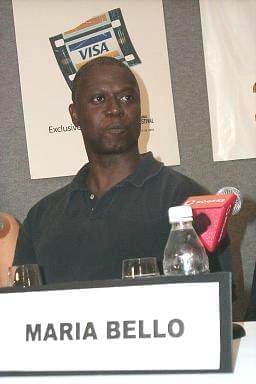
column 211, row 215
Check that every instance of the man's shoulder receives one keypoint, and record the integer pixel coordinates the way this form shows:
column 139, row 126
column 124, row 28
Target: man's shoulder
column 175, row 187
column 174, row 177
column 158, row 174
column 51, row 202
column 56, row 200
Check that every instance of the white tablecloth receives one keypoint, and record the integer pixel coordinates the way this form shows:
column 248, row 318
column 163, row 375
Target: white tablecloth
column 244, row 360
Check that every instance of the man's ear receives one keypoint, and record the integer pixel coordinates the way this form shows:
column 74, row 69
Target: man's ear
column 73, row 114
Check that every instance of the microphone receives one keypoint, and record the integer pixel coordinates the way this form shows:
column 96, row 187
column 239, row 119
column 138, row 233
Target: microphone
column 212, row 213
column 239, row 198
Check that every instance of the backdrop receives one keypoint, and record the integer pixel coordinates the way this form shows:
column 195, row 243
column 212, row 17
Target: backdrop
column 229, row 36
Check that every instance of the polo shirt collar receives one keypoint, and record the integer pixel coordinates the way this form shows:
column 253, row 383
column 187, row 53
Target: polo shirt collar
column 79, row 181
column 147, row 168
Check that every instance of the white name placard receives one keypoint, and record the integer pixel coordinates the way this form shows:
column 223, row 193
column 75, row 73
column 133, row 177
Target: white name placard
column 117, row 328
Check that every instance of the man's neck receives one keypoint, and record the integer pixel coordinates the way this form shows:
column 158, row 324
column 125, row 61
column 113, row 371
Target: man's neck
column 107, row 171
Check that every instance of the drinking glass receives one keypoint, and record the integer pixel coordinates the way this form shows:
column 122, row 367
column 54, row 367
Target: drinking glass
column 140, row 267
column 24, row 276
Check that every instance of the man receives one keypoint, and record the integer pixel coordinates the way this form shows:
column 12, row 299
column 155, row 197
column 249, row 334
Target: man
column 116, row 207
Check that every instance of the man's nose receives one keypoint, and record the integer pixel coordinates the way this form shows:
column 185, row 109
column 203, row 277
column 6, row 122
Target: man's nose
column 114, row 107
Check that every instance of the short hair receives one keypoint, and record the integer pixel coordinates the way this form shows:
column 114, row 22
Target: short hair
column 86, row 68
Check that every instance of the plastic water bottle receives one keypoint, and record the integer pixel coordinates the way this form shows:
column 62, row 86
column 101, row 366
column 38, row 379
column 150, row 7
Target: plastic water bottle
column 184, row 253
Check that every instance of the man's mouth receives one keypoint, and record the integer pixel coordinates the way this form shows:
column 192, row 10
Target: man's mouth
column 116, row 128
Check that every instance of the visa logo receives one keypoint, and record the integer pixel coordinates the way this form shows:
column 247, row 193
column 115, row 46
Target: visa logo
column 93, row 50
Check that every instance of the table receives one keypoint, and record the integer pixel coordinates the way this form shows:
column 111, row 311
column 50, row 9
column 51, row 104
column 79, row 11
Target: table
column 244, row 360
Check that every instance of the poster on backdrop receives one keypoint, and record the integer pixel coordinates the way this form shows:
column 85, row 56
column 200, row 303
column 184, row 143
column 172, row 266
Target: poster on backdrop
column 229, row 38
column 54, row 39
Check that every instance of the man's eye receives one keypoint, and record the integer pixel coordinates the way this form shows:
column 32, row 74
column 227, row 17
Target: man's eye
column 98, row 99
column 126, row 98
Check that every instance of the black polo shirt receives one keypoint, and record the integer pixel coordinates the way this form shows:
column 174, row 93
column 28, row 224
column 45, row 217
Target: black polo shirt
column 74, row 236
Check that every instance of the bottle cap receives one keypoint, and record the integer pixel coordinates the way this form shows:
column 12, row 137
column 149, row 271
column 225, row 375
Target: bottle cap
column 180, row 213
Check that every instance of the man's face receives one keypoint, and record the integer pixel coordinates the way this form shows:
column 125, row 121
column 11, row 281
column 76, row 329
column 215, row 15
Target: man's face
column 108, row 110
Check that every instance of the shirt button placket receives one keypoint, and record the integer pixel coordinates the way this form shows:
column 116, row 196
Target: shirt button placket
column 92, row 197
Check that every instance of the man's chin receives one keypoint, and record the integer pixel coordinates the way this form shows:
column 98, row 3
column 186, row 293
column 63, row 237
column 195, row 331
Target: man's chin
column 117, row 148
